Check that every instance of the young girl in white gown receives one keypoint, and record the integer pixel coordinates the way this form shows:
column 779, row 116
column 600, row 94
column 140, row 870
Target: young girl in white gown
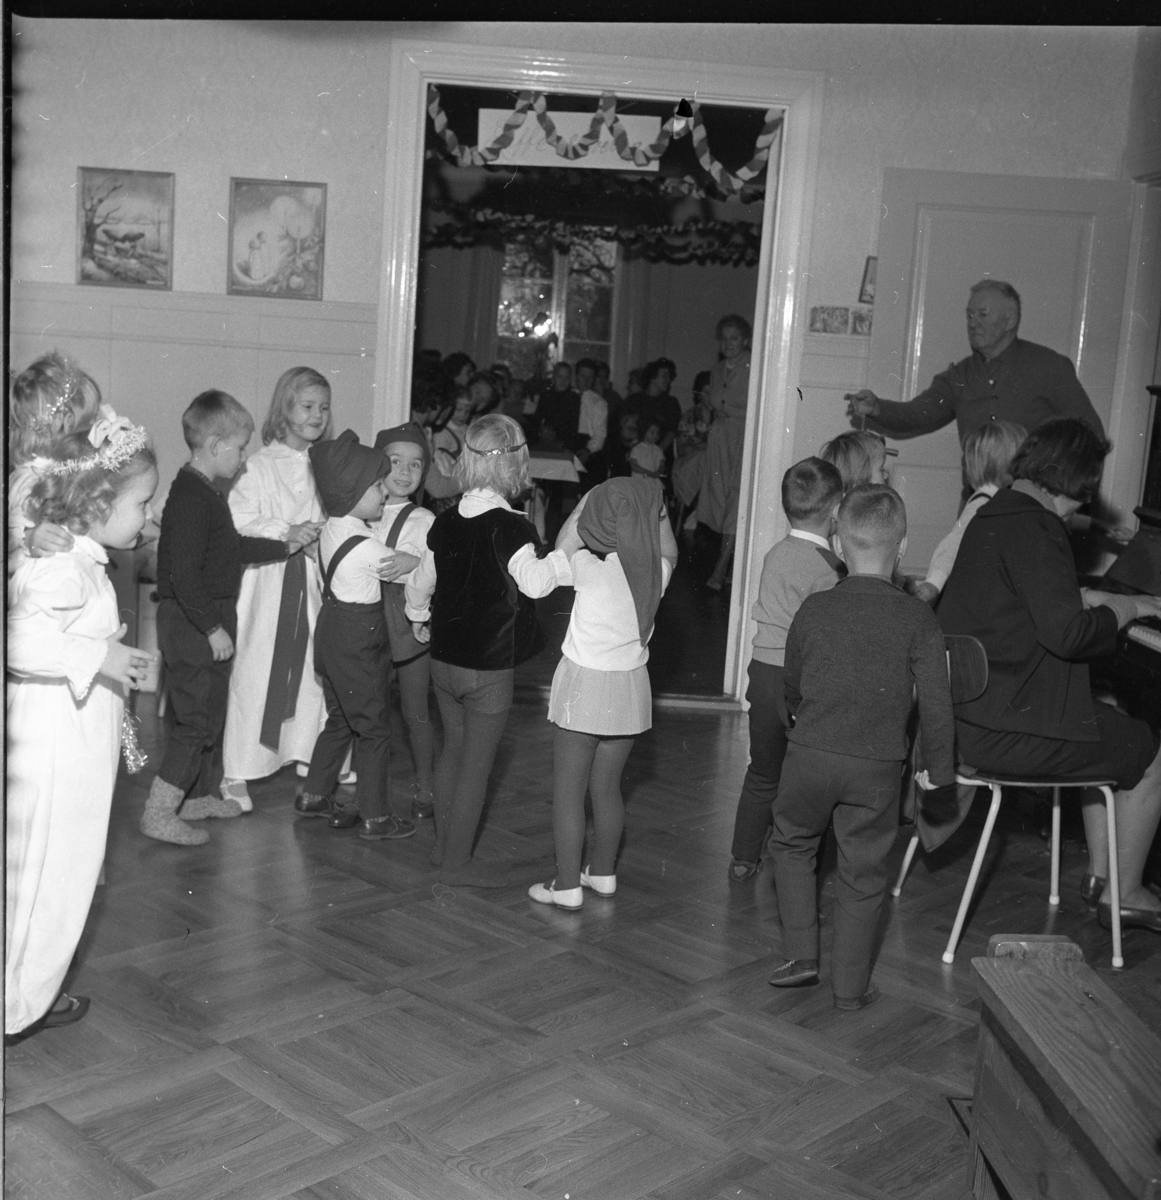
column 67, row 675
column 276, row 708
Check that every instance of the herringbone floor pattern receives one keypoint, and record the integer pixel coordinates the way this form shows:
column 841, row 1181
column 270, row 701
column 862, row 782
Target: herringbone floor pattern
column 292, row 1012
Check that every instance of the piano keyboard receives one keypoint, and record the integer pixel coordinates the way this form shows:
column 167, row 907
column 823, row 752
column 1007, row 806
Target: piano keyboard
column 1146, row 635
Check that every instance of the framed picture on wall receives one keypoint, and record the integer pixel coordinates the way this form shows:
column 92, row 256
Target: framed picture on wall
column 277, row 237
column 867, row 290
column 125, row 228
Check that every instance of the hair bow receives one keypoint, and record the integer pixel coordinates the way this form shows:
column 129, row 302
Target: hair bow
column 107, row 427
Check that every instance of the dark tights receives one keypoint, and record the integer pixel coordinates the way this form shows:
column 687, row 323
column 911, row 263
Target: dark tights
column 414, row 683
column 585, row 762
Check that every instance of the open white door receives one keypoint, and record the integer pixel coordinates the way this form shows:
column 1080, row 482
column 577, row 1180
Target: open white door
column 1062, row 243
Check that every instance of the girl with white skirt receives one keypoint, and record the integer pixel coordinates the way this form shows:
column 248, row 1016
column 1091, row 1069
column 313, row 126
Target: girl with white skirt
column 622, row 552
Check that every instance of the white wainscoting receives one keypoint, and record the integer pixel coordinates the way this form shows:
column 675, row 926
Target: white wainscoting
column 152, row 352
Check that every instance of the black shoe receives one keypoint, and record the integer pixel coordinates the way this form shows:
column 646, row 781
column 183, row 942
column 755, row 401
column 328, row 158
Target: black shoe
column 308, row 805
column 857, row 1002
column 1091, row 887
column 375, row 829
column 796, row 972
column 345, row 818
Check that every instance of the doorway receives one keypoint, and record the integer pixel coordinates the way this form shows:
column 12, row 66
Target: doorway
column 780, row 296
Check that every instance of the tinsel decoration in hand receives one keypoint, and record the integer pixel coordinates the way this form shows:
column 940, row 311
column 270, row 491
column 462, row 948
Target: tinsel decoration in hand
column 135, row 757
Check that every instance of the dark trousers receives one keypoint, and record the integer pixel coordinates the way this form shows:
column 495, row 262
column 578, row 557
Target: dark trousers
column 861, row 795
column 353, row 659
column 769, row 720
column 197, row 688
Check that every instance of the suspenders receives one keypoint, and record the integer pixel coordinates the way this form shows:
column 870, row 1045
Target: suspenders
column 397, row 525
column 332, row 566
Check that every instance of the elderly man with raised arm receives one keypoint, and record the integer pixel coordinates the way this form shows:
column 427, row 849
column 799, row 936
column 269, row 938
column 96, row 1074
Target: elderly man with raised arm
column 1003, row 379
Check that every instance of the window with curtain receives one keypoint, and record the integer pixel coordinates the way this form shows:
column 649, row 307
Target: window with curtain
column 544, row 292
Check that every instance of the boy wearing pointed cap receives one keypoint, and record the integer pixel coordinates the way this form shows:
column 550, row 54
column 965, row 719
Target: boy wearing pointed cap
column 403, row 528
column 351, row 653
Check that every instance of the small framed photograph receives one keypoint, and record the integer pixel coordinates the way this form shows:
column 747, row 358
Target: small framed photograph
column 867, row 291
column 277, row 238
column 861, row 321
column 830, row 318
column 125, row 228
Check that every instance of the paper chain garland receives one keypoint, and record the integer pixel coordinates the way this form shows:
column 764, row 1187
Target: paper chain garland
column 640, row 154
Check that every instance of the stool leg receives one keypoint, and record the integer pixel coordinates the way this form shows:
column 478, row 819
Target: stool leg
column 973, row 874
column 906, row 864
column 1054, row 889
column 1114, row 878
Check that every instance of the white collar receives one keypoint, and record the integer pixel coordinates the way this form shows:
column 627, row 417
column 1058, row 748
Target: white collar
column 83, row 544
column 804, row 536
column 479, row 500
column 281, row 450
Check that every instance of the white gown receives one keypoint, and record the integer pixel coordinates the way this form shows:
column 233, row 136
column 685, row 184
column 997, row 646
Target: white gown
column 274, row 492
column 64, row 735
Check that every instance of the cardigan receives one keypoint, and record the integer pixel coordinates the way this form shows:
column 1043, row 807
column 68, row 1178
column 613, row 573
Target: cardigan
column 793, row 569
column 1027, row 383
column 200, row 553
column 1014, row 587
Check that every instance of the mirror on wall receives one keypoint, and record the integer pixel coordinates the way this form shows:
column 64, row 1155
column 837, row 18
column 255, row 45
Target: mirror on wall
column 530, row 260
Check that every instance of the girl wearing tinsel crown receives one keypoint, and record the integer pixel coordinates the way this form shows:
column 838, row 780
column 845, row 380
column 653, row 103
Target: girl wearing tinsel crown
column 68, row 673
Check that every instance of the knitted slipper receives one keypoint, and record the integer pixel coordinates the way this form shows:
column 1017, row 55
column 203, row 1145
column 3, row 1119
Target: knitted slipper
column 198, row 808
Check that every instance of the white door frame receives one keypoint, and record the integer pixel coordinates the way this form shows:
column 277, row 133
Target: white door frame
column 780, row 311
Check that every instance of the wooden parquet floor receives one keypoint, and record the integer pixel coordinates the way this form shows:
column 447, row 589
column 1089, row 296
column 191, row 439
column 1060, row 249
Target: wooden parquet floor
column 292, row 1012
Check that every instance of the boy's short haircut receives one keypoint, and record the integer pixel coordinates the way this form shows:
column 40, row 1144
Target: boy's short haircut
column 213, row 414
column 872, row 516
column 810, row 490
column 988, row 452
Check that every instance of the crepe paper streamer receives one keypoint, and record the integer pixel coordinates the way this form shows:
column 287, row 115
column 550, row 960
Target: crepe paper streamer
column 135, row 757
column 730, row 183
column 576, row 147
column 476, row 156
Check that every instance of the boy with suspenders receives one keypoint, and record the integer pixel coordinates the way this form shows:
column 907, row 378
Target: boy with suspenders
column 351, row 648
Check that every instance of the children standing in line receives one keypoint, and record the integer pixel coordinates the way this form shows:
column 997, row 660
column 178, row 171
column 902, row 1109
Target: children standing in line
column 622, row 553
column 50, row 398
column 403, row 528
column 65, row 711
column 199, row 571
column 276, row 706
column 853, row 655
column 351, row 650
column 475, row 584
column 794, row 568
column 646, row 457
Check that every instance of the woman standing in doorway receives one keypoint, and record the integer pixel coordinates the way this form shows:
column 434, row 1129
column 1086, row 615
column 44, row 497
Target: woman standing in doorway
column 727, row 395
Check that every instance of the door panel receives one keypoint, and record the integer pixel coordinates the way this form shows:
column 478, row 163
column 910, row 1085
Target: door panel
column 1062, row 243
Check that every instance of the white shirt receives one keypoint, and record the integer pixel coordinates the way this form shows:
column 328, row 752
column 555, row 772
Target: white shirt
column 356, row 578
column 943, row 559
column 803, row 535
column 594, row 419
column 535, row 577
column 412, row 537
column 602, row 630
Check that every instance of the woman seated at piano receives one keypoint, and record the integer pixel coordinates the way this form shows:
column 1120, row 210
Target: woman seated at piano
column 1014, row 587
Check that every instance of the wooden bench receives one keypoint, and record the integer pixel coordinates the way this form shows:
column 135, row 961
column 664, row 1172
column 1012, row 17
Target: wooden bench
column 1067, row 1100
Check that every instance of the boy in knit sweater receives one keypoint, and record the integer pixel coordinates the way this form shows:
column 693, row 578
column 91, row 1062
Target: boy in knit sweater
column 794, row 568
column 853, row 655
column 199, row 572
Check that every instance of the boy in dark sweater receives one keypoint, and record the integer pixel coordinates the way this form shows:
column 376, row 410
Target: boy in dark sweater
column 853, row 655
column 199, row 571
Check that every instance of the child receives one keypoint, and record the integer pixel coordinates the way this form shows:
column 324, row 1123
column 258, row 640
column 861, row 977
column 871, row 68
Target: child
column 50, row 398
column 65, row 711
column 647, row 457
column 403, row 528
column 199, row 571
column 351, row 651
column 853, row 655
column 860, row 456
column 987, row 455
column 622, row 553
column 794, row 568
column 276, row 706
column 622, row 446
column 479, row 574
